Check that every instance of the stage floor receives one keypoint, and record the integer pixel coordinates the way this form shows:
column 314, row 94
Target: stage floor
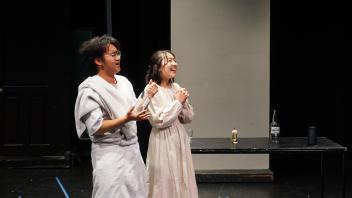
column 76, row 182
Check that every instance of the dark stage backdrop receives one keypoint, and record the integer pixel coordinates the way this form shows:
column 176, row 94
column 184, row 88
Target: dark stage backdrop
column 309, row 81
column 310, row 47
column 34, row 79
column 141, row 27
column 40, row 68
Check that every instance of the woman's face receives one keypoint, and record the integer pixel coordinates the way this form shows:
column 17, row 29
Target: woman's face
column 111, row 60
column 168, row 68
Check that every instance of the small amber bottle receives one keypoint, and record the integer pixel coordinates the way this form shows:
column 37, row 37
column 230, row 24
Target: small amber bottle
column 234, row 136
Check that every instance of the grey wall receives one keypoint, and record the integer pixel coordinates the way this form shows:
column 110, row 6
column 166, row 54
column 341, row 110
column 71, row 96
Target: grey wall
column 222, row 47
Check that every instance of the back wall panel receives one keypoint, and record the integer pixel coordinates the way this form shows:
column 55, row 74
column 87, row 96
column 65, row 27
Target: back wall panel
column 222, row 48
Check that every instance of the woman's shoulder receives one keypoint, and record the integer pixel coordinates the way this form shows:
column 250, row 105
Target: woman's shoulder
column 176, row 85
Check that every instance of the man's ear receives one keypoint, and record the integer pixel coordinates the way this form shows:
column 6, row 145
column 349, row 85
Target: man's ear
column 98, row 61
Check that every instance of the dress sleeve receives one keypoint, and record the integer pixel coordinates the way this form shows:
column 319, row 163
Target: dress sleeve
column 162, row 116
column 186, row 114
column 93, row 121
column 142, row 102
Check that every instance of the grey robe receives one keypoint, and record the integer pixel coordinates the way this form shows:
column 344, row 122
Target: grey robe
column 118, row 168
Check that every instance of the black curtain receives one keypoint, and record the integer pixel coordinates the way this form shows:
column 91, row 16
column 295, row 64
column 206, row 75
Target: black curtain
column 141, row 27
column 309, row 79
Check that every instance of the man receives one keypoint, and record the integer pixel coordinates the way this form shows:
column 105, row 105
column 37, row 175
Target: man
column 106, row 111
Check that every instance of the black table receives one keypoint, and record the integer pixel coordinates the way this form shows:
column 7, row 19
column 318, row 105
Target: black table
column 263, row 145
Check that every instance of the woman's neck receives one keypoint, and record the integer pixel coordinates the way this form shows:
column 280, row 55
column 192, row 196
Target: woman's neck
column 165, row 83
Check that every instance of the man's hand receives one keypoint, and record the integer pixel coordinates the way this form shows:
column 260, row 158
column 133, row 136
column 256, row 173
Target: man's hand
column 137, row 116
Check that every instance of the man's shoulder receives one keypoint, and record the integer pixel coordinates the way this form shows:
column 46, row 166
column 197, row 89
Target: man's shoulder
column 119, row 77
column 123, row 80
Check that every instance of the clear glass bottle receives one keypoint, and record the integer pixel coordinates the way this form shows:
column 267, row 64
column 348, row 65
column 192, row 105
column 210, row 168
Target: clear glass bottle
column 274, row 128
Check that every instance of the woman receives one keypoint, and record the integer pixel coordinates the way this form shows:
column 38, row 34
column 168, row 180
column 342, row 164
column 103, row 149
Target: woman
column 105, row 113
column 169, row 161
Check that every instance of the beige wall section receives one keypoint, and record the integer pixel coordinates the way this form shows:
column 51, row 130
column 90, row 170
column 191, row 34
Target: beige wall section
column 222, row 47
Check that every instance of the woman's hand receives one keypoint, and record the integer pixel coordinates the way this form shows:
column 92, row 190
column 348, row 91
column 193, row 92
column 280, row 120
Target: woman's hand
column 152, row 88
column 181, row 95
column 137, row 116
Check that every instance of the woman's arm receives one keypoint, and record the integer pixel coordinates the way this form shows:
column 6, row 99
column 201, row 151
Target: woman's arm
column 187, row 113
column 144, row 98
column 164, row 116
